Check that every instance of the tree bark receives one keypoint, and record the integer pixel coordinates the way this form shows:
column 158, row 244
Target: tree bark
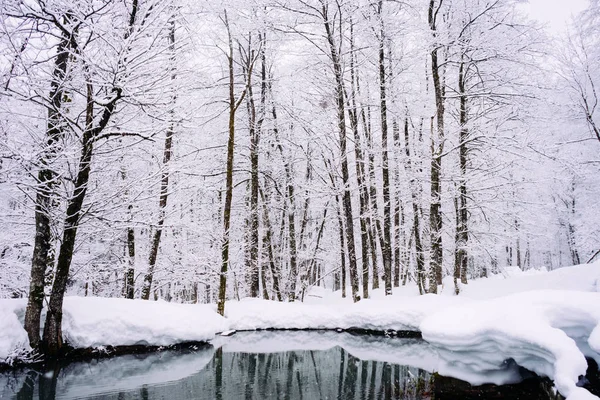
column 130, row 273
column 164, row 184
column 46, row 183
column 52, row 338
column 253, row 267
column 437, row 145
column 419, row 255
column 346, row 199
column 387, row 210
column 462, row 232
column 233, row 106
column 268, row 242
column 360, row 171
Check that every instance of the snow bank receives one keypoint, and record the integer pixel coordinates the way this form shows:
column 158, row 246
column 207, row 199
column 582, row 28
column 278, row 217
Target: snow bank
column 380, row 314
column 583, row 278
column 96, row 322
column 538, row 329
column 13, row 338
column 494, row 319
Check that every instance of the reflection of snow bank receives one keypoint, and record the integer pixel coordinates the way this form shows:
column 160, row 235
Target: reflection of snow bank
column 95, row 321
column 127, row 373
column 409, row 352
column 537, row 329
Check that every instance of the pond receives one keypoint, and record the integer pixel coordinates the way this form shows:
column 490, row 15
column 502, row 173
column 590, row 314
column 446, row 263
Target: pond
column 274, row 365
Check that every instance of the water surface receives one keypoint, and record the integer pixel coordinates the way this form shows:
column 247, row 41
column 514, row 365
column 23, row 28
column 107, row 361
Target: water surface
column 273, row 365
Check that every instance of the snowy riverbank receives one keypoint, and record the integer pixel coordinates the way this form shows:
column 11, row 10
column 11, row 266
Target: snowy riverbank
column 546, row 322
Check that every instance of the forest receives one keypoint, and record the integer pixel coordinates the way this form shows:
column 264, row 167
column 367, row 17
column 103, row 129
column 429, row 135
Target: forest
column 198, row 152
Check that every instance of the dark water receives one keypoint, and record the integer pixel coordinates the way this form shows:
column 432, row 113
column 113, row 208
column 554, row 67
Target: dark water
column 251, row 366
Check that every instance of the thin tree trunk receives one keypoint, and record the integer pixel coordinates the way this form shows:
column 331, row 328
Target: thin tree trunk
column 253, row 267
column 419, row 255
column 269, row 245
column 435, row 210
column 342, row 245
column 291, row 210
column 462, row 234
column 374, row 229
column 233, row 106
column 387, row 210
column 360, row 171
column 164, row 184
column 130, row 273
column 346, row 198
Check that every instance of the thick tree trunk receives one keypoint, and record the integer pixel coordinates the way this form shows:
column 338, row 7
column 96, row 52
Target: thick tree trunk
column 44, row 200
column 52, row 338
column 435, row 210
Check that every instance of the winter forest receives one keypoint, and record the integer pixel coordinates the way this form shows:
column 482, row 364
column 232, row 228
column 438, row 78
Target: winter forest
column 208, row 151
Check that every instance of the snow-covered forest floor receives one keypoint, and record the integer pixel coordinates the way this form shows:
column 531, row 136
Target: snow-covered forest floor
column 547, row 322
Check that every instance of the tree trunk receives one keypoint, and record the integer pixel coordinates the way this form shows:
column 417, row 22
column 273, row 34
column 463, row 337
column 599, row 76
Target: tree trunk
column 52, row 339
column 233, row 106
column 387, row 209
column 164, row 184
column 346, row 198
column 435, row 210
column 462, row 227
column 268, row 242
column 419, row 255
column 252, row 269
column 44, row 200
column 342, row 246
column 130, row 274
column 360, row 171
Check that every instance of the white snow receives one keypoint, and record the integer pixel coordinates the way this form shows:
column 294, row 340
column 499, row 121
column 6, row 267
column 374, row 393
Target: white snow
column 545, row 321
column 537, row 329
column 13, row 338
column 95, row 321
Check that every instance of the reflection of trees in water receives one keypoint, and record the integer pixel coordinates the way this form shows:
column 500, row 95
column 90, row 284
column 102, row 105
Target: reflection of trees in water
column 328, row 374
column 331, row 374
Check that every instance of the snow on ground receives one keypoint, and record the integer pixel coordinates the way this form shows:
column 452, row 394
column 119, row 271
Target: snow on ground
column 545, row 321
column 96, row 321
column 13, row 338
column 99, row 322
column 537, row 329
column 376, row 314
